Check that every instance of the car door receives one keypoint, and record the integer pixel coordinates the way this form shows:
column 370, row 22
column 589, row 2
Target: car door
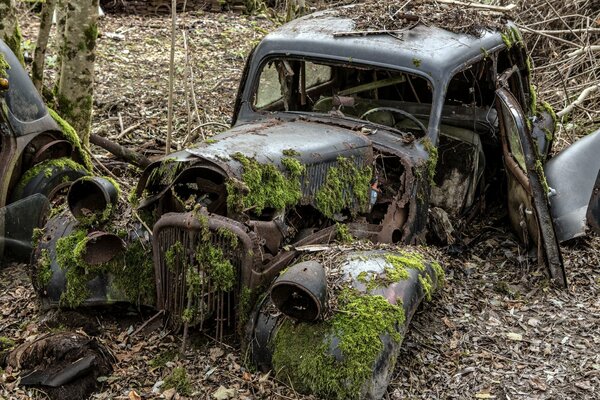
column 528, row 207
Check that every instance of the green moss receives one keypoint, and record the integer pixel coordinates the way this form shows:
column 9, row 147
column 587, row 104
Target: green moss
column 228, row 235
column 47, row 168
column 4, row 67
column 264, row 186
column 302, row 354
column 36, row 236
column 14, row 42
column 132, row 272
column 166, row 172
column 416, row 62
column 68, row 260
column 346, row 186
column 210, row 141
column 546, row 106
column 91, row 34
column 343, row 234
column 291, row 153
column 218, row 268
column 432, row 160
column 6, row 345
column 485, row 53
column 539, row 169
column 71, row 136
column 532, row 99
column 161, row 360
column 506, row 40
column 427, row 285
column 440, row 275
column 173, row 255
column 44, row 269
column 179, row 381
column 246, row 304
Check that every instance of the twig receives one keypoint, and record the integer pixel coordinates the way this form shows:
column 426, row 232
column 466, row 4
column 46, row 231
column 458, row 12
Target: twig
column 525, row 28
column 584, row 94
column 583, row 50
column 138, row 330
column 507, row 8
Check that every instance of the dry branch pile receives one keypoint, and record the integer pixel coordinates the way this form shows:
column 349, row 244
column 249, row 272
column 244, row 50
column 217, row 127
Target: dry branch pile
column 563, row 38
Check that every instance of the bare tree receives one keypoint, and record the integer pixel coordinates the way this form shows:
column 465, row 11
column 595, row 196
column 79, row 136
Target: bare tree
column 39, row 57
column 9, row 28
column 77, row 57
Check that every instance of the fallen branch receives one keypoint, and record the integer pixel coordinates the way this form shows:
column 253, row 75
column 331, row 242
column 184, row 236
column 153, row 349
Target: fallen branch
column 119, row 151
column 584, row 94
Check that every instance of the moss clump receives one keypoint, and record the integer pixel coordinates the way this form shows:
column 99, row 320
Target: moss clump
column 506, row 40
column 68, row 260
column 427, row 286
column 532, row 99
column 71, row 136
column 394, row 271
column 179, row 381
column 439, row 272
column 6, row 345
column 264, row 186
column 347, row 186
column 218, row 268
column 432, row 160
column 44, row 269
column 4, row 67
column 302, row 351
column 173, row 255
column 133, row 273
column 161, row 360
column 539, row 169
column 342, row 233
column 416, row 62
column 291, row 153
column 210, row 141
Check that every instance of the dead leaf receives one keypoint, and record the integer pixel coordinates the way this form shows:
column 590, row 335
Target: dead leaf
column 133, row 395
column 215, row 352
column 223, row 393
column 514, row 336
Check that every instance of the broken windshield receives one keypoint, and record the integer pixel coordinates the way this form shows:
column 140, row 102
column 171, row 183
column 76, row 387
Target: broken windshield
column 380, row 96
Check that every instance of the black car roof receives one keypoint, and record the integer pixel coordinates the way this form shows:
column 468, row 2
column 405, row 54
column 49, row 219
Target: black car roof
column 424, row 49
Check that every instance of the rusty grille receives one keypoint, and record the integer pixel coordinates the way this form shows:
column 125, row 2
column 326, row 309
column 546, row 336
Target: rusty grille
column 316, row 175
column 185, row 288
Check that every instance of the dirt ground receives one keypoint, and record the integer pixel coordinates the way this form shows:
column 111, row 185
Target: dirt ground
column 497, row 330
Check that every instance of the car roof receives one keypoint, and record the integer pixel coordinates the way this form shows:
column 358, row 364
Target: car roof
column 426, row 50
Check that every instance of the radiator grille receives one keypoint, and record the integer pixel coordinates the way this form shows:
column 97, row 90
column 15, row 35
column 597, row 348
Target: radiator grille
column 186, row 287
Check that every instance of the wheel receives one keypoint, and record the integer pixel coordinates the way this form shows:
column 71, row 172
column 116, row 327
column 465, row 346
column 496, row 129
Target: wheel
column 48, row 178
column 401, row 112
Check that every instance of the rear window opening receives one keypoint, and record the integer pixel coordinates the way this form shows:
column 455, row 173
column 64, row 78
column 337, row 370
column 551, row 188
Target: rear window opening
column 379, row 96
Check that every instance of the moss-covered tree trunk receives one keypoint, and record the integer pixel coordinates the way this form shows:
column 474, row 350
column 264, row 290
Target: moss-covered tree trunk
column 39, row 58
column 9, row 28
column 76, row 81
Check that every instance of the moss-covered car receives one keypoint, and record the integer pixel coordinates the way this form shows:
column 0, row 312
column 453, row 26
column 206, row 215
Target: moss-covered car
column 40, row 155
column 339, row 136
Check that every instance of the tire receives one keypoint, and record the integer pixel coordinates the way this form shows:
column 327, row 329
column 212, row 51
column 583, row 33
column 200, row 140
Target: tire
column 48, row 178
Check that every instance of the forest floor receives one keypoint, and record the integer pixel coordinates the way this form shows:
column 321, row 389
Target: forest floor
column 496, row 330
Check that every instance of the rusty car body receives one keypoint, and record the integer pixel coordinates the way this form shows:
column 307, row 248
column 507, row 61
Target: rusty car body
column 333, row 135
column 37, row 158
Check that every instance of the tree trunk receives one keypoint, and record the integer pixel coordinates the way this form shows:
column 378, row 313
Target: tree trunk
column 9, row 28
column 59, row 18
column 75, row 88
column 39, row 57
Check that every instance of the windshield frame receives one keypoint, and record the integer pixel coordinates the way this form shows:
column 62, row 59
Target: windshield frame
column 256, row 70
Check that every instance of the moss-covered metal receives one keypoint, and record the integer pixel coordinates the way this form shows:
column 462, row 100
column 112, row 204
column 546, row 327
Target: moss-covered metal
column 432, row 151
column 132, row 272
column 302, row 353
column 347, row 187
column 264, row 185
column 48, row 168
column 71, row 136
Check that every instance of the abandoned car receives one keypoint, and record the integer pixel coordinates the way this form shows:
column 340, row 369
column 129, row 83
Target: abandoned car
column 39, row 157
column 337, row 136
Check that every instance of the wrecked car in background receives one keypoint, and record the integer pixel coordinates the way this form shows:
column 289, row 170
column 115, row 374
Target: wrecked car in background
column 295, row 230
column 38, row 158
